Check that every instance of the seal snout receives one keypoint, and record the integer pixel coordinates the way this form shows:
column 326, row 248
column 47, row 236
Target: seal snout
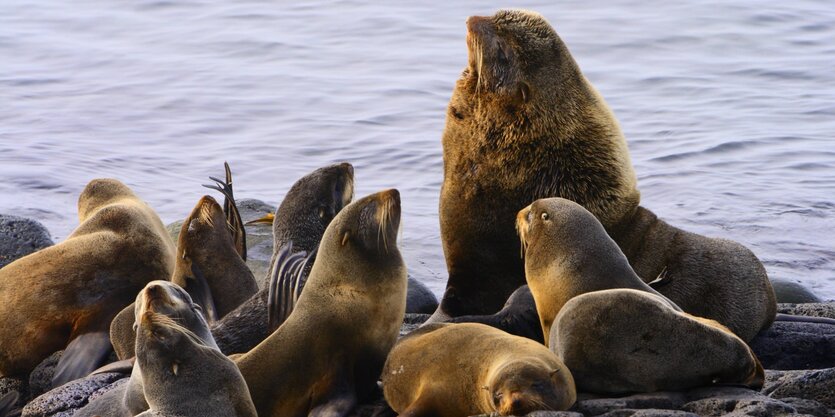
column 523, row 226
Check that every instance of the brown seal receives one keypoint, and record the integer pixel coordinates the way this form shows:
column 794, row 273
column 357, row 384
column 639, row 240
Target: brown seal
column 65, row 296
column 184, row 376
column 623, row 341
column 568, row 253
column 614, row 332
column 344, row 323
column 451, row 370
column 523, row 123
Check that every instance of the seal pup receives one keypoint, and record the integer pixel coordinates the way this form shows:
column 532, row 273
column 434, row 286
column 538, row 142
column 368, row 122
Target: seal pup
column 71, row 291
column 523, row 123
column 623, row 341
column 615, row 333
column 345, row 321
column 160, row 297
column 185, row 377
column 453, row 370
column 568, row 253
column 209, row 265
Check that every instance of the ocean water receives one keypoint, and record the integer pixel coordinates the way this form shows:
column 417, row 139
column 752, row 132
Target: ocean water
column 728, row 107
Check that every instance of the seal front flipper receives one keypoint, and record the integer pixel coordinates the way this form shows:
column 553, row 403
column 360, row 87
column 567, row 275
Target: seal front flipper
column 230, row 208
column 82, row 356
column 285, row 284
column 198, row 288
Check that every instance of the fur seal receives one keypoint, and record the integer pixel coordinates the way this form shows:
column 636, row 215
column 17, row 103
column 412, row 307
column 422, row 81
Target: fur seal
column 71, row 291
column 452, row 370
column 523, row 123
column 185, row 377
column 624, row 341
column 613, row 331
column 345, row 321
column 568, row 253
column 208, row 266
column 162, row 298
column 300, row 220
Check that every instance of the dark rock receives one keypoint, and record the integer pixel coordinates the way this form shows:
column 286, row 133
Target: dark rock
column 412, row 322
column 652, row 412
column 809, row 309
column 40, row 380
column 20, row 236
column 808, row 407
column 817, row 385
column 796, row 345
column 554, row 414
column 13, row 394
column 419, row 299
column 655, row 400
column 721, row 401
column 71, row 396
column 792, row 292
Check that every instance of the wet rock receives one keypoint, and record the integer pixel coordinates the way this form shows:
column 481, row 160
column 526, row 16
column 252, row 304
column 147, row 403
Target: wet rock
column 20, row 236
column 64, row 400
column 817, row 385
column 727, row 401
column 796, row 345
column 792, row 292
column 655, row 400
column 419, row 299
column 809, row 309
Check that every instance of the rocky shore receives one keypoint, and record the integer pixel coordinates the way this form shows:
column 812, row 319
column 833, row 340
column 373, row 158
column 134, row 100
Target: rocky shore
column 799, row 357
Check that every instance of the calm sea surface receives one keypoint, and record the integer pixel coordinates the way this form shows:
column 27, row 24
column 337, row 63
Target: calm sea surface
column 728, row 107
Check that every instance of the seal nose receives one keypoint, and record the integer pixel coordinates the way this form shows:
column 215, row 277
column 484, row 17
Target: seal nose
column 348, row 168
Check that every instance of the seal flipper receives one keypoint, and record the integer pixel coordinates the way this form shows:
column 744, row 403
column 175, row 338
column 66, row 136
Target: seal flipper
column 284, row 285
column 198, row 288
column 124, row 366
column 82, row 356
column 338, row 404
column 230, row 208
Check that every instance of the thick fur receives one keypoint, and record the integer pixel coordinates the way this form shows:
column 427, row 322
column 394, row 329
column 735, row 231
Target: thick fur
column 614, row 332
column 452, row 370
column 568, row 253
column 49, row 298
column 329, row 352
column 345, row 321
column 623, row 341
column 302, row 217
column 205, row 246
column 714, row 278
column 523, row 123
column 172, row 301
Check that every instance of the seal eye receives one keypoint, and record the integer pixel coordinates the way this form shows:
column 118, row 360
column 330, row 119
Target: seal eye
column 544, row 216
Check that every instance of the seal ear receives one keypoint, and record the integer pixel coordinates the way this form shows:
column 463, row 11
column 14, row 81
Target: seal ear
column 524, row 91
column 82, row 356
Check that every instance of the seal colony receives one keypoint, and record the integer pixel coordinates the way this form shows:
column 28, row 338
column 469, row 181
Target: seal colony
column 617, row 301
